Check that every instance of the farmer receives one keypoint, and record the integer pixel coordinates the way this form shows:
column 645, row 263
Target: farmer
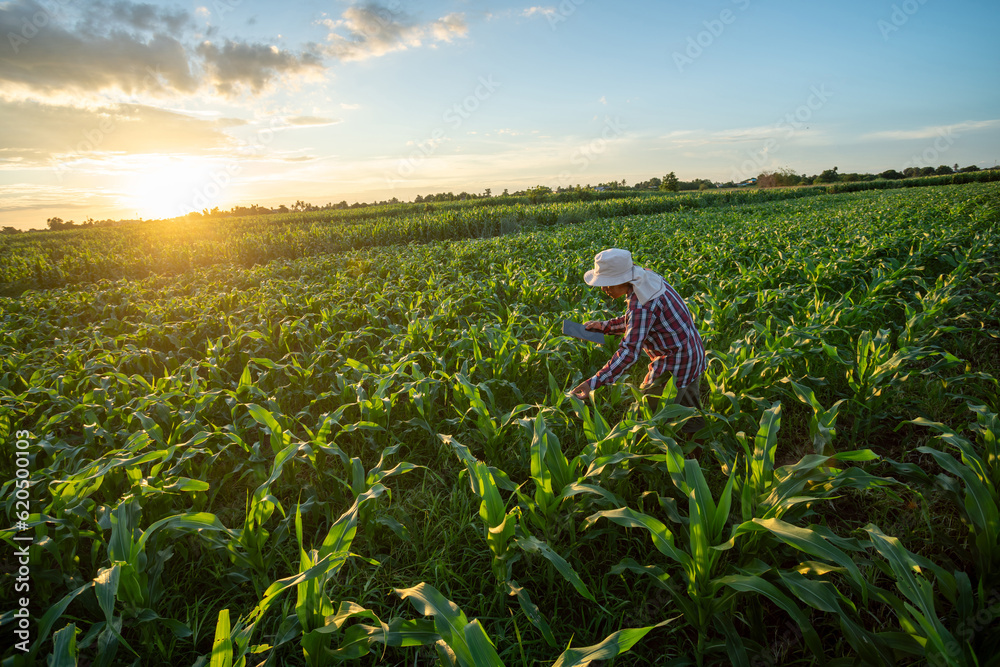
column 657, row 321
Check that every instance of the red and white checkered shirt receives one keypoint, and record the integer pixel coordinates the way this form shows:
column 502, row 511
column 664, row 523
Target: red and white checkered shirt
column 663, row 327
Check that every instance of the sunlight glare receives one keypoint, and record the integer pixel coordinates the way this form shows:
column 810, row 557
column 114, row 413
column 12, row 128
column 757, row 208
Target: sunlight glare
column 167, row 188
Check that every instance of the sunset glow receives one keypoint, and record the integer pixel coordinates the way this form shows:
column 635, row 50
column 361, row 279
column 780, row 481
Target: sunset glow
column 153, row 109
column 163, row 188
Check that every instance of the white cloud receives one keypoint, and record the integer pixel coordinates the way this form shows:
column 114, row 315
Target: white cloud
column 241, row 64
column 130, row 50
column 311, row 121
column 371, row 30
column 543, row 11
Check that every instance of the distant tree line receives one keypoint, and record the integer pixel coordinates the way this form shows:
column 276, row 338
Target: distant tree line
column 55, row 224
column 788, row 178
column 784, row 177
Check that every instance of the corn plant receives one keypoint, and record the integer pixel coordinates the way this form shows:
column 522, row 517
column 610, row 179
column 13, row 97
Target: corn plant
column 698, row 590
column 557, row 481
column 318, row 620
column 876, row 369
column 789, row 491
column 822, row 424
column 507, row 537
column 972, row 483
column 463, row 643
column 491, row 429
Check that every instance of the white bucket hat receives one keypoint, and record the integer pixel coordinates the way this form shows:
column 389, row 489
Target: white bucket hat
column 611, row 267
column 614, row 267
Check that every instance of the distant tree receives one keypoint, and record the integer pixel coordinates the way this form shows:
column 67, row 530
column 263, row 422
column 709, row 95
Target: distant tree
column 891, row 174
column 11, row 230
column 927, row 171
column 669, row 183
column 965, row 170
column 282, row 209
column 538, row 193
column 488, row 192
column 828, row 176
column 911, row 172
column 782, row 178
column 944, row 170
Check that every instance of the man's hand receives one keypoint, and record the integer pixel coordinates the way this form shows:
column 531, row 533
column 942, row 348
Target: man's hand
column 582, row 390
column 593, row 325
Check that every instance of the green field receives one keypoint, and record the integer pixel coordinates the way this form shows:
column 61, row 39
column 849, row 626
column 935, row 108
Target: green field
column 313, row 438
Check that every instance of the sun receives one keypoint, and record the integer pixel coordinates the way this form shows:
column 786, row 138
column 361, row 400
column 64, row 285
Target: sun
column 170, row 187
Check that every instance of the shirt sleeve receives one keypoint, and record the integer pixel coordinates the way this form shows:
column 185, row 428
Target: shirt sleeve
column 636, row 325
column 616, row 325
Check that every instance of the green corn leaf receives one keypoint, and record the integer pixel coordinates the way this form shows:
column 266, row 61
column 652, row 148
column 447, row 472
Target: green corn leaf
column 816, row 593
column 246, row 380
column 400, row 632
column 532, row 544
column 577, row 488
column 724, row 507
column 282, row 457
column 222, row 646
column 280, row 586
column 662, row 538
column 449, row 620
column 186, row 485
column 338, row 540
column 190, row 521
column 484, row 653
column 918, row 591
column 701, row 512
column 760, row 586
column 106, row 588
column 734, row 643
column 812, row 543
column 264, row 417
column 980, row 503
column 492, row 510
column 101, row 468
column 52, row 615
column 531, row 610
column 64, row 647
column 598, row 465
column 765, row 445
column 615, row 644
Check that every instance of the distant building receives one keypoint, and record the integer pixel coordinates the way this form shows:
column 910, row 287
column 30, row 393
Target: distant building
column 746, row 183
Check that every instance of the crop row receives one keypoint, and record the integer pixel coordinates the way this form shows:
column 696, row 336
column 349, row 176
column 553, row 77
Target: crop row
column 216, row 451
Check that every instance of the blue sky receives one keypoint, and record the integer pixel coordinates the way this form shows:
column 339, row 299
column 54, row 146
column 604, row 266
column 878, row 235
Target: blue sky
column 122, row 109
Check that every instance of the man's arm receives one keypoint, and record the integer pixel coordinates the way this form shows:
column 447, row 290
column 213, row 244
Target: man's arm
column 637, row 324
column 623, row 359
column 614, row 326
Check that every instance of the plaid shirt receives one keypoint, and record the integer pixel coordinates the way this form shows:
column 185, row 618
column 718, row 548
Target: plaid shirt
column 663, row 327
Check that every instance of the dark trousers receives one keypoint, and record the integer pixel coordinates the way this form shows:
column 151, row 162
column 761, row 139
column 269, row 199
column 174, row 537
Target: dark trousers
column 689, row 397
